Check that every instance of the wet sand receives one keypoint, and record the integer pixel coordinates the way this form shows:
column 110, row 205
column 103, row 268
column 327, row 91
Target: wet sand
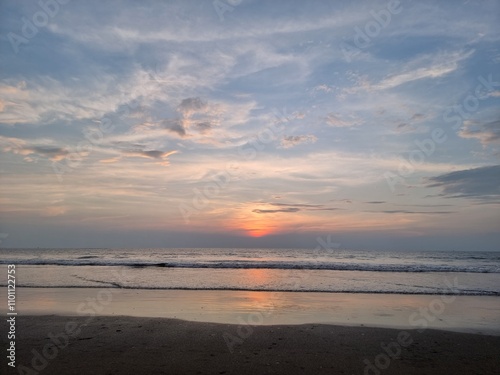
column 119, row 331
column 469, row 314
column 131, row 345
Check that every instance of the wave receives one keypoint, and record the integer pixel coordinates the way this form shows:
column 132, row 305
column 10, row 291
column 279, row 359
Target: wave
column 264, row 265
column 356, row 291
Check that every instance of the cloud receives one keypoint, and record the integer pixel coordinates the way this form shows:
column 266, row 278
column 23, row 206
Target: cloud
column 14, row 108
column 34, row 150
column 325, row 209
column 204, row 127
column 153, row 154
column 422, row 67
column 336, row 120
column 434, row 67
column 409, row 124
column 289, row 209
column 486, row 133
column 346, row 201
column 110, row 160
column 11, row 144
column 190, row 106
column 294, row 207
column 22, row 147
column 323, row 87
column 160, row 156
column 294, row 140
column 414, row 212
column 53, row 153
column 418, row 117
column 482, row 183
column 54, row 211
column 194, row 114
column 425, row 205
column 44, row 99
column 421, row 73
column 175, row 126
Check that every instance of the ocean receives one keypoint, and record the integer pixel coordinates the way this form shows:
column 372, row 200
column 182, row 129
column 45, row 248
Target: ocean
column 292, row 270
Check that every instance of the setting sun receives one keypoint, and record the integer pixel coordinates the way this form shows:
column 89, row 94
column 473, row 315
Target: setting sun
column 258, row 232
column 257, row 226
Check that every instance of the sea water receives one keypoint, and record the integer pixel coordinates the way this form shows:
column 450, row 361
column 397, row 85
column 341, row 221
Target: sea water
column 294, row 270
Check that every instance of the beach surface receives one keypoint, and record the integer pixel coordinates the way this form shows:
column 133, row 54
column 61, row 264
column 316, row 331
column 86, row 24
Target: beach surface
column 131, row 331
column 132, row 345
column 468, row 314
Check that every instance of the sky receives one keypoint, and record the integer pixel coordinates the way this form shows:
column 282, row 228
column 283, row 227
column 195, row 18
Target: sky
column 250, row 123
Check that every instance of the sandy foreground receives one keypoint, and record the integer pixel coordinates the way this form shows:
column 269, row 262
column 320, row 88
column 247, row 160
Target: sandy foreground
column 132, row 345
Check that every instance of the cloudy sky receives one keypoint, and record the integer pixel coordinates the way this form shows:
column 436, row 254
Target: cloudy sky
column 250, row 123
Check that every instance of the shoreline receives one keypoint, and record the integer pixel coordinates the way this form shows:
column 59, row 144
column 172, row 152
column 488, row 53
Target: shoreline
column 467, row 294
column 469, row 314
column 133, row 345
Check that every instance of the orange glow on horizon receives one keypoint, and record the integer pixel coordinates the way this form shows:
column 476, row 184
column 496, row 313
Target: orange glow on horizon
column 252, row 224
column 257, row 232
column 250, row 220
column 258, row 227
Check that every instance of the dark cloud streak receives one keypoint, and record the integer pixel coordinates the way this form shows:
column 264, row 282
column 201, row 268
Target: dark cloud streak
column 480, row 183
column 290, row 209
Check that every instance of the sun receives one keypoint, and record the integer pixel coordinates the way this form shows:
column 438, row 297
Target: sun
column 257, row 226
column 250, row 222
column 258, row 232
